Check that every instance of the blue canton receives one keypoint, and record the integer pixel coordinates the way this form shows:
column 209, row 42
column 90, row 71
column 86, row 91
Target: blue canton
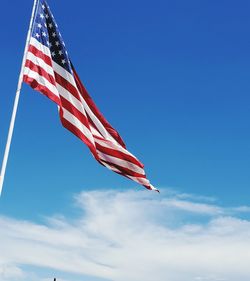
column 45, row 30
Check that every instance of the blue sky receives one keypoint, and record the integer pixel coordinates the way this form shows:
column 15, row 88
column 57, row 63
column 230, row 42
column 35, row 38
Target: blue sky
column 171, row 76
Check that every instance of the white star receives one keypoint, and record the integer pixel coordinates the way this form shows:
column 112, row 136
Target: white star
column 46, row 16
column 37, row 35
column 50, row 45
column 57, row 43
column 45, row 24
column 60, row 52
column 39, row 25
column 41, row 16
column 50, row 25
column 54, row 34
column 44, row 34
column 43, row 7
column 63, row 61
column 53, row 54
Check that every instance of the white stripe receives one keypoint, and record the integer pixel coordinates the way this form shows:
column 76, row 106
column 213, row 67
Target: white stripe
column 78, row 124
column 97, row 134
column 142, row 181
column 69, row 97
column 37, row 61
column 64, row 73
column 109, row 144
column 97, row 122
column 153, row 188
column 120, row 162
column 106, row 140
column 40, row 47
column 41, row 80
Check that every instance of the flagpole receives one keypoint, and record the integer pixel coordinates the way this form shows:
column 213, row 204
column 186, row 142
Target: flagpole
column 19, row 86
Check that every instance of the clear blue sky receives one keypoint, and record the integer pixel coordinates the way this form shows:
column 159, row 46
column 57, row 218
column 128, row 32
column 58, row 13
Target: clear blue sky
column 171, row 76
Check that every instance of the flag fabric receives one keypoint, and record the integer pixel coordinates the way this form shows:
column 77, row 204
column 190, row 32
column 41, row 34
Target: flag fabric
column 49, row 70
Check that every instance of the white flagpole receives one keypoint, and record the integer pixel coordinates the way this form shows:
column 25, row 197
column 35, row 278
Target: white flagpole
column 19, row 86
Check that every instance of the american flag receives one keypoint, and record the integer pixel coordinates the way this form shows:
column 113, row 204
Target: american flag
column 49, row 70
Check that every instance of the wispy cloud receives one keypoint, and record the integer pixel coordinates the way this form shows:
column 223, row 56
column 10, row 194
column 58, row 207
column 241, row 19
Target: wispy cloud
column 10, row 272
column 135, row 236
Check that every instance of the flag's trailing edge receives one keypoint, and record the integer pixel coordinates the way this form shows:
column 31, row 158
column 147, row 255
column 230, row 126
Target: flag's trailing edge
column 49, row 70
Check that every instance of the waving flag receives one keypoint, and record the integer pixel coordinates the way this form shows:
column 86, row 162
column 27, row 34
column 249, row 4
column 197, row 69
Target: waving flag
column 49, row 70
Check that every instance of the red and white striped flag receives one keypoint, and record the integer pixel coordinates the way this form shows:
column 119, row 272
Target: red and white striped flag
column 49, row 70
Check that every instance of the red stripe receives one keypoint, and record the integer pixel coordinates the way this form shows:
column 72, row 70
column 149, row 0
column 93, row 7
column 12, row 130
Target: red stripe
column 112, row 166
column 40, row 55
column 149, row 187
column 67, row 85
column 41, row 88
column 74, row 111
column 73, row 129
column 125, row 170
column 108, row 141
column 40, row 71
column 92, row 124
column 118, row 154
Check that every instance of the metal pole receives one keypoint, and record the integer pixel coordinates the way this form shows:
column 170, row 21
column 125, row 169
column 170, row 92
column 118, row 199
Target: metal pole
column 13, row 117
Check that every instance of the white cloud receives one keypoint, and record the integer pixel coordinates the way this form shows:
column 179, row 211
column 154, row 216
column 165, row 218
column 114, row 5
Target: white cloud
column 8, row 271
column 192, row 207
column 242, row 209
column 135, row 236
